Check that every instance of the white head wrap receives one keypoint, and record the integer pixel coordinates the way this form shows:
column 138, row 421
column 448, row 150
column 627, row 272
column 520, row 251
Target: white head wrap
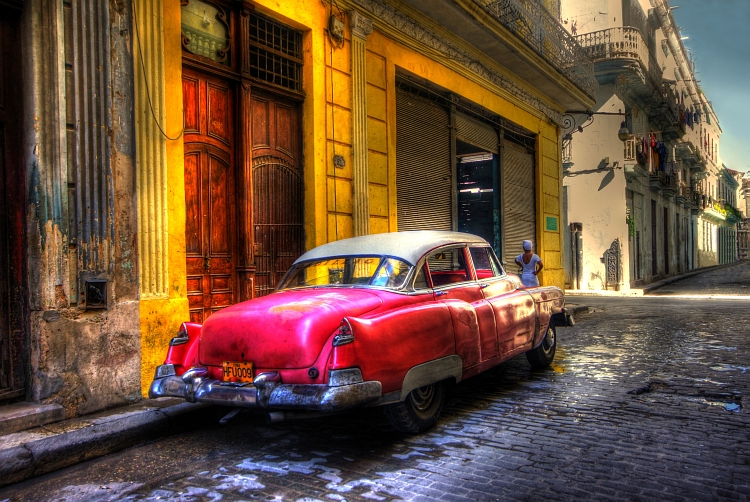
column 527, row 245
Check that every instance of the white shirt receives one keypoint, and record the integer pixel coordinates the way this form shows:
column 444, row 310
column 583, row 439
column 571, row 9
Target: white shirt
column 527, row 275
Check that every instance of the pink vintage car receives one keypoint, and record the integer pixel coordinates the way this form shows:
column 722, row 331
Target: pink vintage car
column 380, row 320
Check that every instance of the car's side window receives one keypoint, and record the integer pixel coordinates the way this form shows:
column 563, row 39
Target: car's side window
column 485, row 263
column 420, row 281
column 448, row 266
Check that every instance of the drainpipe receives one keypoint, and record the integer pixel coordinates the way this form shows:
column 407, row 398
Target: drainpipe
column 576, row 242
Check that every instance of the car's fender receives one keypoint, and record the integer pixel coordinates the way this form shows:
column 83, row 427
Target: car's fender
column 183, row 349
column 432, row 371
column 548, row 300
column 387, row 346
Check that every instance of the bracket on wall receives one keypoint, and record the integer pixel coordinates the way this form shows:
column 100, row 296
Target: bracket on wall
column 576, row 121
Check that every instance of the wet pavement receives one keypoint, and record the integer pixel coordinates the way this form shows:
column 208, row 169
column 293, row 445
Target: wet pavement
column 732, row 280
column 646, row 400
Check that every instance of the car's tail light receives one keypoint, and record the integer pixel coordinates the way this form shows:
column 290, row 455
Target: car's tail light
column 344, row 351
column 345, row 334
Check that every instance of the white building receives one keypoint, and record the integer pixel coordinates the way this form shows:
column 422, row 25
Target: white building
column 643, row 179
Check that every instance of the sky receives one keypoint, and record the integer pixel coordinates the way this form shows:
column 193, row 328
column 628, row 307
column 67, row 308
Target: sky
column 721, row 49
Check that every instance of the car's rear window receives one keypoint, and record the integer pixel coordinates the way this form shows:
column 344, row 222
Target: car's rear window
column 378, row 271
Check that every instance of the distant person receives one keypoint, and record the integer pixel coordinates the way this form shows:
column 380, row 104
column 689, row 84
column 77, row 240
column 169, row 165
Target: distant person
column 530, row 264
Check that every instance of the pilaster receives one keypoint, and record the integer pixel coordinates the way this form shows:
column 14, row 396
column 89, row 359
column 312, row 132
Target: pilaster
column 361, row 27
column 151, row 156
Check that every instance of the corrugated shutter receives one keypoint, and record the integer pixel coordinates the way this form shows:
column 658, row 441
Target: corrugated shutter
column 519, row 204
column 476, row 133
column 423, row 164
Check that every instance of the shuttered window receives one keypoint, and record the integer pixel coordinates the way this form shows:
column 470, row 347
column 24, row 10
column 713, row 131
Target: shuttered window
column 423, row 164
column 476, row 133
column 519, row 205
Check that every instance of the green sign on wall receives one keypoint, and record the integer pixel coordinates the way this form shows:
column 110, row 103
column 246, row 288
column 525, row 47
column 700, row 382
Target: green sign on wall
column 551, row 223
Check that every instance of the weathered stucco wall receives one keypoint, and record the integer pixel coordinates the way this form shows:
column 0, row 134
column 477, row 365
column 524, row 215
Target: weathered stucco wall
column 83, row 360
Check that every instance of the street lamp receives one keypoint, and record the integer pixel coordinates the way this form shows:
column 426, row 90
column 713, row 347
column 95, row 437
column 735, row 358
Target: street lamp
column 624, row 132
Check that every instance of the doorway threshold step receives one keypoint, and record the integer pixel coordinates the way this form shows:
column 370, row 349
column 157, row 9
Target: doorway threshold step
column 21, row 416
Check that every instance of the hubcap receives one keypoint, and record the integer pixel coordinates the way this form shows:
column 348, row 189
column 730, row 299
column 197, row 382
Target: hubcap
column 549, row 340
column 422, row 397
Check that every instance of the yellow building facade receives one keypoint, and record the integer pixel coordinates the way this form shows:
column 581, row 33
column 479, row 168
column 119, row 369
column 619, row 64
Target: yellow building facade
column 353, row 58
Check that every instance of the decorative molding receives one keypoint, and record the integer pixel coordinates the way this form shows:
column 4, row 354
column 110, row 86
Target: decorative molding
column 361, row 25
column 414, row 30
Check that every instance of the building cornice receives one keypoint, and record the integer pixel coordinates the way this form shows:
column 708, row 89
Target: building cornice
column 413, row 33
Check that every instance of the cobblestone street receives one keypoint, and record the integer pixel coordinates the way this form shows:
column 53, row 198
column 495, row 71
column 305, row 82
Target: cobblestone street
column 646, row 401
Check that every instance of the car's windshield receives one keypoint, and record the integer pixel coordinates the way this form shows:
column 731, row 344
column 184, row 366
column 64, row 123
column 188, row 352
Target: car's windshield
column 379, row 271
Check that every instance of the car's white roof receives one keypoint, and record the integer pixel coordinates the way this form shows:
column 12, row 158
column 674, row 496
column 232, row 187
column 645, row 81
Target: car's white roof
column 409, row 246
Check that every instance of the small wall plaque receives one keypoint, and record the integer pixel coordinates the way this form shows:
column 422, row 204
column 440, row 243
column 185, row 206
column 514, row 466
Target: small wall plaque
column 551, row 224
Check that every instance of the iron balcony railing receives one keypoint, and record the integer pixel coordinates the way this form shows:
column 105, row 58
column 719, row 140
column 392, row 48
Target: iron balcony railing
column 530, row 21
column 622, row 42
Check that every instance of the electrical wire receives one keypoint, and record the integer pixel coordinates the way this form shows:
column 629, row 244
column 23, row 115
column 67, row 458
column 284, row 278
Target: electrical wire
column 145, row 79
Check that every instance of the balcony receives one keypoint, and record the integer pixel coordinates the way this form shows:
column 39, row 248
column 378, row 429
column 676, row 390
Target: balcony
column 532, row 23
column 670, row 188
column 690, row 154
column 657, row 181
column 684, row 196
column 622, row 51
column 521, row 36
column 670, row 122
column 734, row 215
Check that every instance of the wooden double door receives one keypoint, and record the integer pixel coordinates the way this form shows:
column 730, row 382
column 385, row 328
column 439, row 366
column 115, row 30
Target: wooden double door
column 243, row 191
column 13, row 297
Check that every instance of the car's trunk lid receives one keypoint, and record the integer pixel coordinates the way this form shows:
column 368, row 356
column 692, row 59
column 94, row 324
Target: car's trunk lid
column 281, row 330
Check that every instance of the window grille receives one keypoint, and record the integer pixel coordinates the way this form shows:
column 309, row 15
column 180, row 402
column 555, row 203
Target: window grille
column 275, row 53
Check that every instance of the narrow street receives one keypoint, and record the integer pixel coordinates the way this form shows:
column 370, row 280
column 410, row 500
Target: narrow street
column 646, row 400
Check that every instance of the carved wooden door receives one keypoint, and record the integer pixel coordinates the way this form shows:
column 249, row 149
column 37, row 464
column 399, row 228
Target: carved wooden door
column 210, row 230
column 277, row 188
column 12, row 249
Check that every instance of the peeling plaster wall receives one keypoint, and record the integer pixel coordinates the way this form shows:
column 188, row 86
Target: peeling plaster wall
column 83, row 360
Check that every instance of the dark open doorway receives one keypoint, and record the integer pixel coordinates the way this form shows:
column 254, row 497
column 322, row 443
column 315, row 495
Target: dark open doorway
column 478, row 193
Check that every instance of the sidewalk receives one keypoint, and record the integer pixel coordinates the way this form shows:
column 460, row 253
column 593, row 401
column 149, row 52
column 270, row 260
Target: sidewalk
column 61, row 444
column 650, row 289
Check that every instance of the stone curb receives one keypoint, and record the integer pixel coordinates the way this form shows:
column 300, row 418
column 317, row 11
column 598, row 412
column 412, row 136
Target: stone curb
column 656, row 285
column 31, row 453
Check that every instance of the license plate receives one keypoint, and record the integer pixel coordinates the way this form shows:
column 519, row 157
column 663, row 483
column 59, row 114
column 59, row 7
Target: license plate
column 237, row 371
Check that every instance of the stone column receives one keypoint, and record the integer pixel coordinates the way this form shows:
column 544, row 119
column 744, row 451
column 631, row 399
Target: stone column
column 151, row 151
column 361, row 27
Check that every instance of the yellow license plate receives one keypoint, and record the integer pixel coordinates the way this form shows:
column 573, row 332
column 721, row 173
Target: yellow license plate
column 237, row 371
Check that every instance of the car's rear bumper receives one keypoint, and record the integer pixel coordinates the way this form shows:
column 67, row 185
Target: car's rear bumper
column 267, row 393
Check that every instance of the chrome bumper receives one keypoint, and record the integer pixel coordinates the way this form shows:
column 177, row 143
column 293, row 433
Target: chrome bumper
column 266, row 392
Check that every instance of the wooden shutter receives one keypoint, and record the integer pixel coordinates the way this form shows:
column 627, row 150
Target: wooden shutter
column 519, row 201
column 423, row 164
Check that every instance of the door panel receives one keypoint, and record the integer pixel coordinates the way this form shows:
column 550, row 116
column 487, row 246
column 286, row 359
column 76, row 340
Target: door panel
column 13, row 290
column 514, row 314
column 277, row 189
column 210, row 231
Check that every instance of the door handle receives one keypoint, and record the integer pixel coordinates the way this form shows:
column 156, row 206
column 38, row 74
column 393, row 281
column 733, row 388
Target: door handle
column 482, row 286
column 440, row 293
column 207, row 262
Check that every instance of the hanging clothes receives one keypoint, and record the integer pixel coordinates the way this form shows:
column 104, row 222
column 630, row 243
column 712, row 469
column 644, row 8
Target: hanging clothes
column 662, row 156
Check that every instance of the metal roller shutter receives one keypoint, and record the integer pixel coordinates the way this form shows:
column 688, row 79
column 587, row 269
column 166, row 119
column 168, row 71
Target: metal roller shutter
column 519, row 202
column 476, row 133
column 423, row 164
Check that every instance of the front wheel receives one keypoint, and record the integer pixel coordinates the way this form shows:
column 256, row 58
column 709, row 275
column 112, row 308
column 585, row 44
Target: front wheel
column 419, row 411
column 542, row 356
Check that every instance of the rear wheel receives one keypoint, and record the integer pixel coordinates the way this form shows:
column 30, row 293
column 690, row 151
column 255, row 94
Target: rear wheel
column 419, row 411
column 542, row 356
